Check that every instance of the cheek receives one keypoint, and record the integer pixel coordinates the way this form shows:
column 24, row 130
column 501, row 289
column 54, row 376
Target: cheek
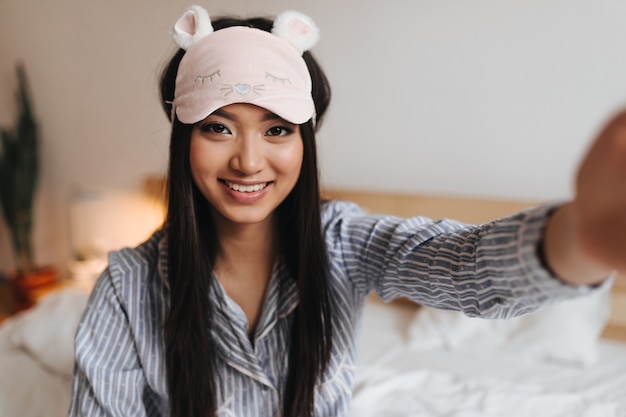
column 201, row 158
column 291, row 159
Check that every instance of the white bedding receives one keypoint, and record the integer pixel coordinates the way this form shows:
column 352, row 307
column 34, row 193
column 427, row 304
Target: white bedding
column 434, row 393
column 405, row 371
column 36, row 357
column 398, row 377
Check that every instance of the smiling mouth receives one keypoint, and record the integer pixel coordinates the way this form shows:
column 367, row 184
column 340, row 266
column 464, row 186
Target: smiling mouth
column 246, row 188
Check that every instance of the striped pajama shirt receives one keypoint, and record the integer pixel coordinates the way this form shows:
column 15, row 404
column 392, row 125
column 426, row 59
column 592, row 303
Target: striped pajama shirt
column 489, row 270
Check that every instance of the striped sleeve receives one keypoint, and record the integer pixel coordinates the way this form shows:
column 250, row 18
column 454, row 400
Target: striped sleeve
column 490, row 270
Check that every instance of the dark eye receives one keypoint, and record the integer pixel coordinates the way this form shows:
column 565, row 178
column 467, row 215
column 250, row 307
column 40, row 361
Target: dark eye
column 214, row 128
column 279, row 131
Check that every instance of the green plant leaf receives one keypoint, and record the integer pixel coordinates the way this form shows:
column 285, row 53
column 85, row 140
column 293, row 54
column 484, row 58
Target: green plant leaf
column 19, row 172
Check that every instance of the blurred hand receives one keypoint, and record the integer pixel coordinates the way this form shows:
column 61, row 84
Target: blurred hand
column 600, row 201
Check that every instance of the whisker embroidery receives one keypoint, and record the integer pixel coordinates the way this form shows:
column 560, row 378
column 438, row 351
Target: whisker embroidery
column 258, row 89
column 227, row 88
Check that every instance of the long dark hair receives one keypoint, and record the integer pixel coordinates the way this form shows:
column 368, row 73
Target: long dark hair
column 191, row 236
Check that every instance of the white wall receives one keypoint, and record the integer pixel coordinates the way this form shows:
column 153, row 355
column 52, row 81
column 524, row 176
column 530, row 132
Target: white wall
column 484, row 98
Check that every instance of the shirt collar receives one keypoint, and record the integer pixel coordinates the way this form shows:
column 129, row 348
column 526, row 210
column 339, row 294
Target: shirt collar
column 229, row 330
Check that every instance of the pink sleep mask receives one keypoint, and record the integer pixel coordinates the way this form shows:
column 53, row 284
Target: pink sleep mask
column 240, row 64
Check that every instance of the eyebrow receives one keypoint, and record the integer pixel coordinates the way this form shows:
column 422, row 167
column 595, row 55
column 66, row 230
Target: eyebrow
column 230, row 116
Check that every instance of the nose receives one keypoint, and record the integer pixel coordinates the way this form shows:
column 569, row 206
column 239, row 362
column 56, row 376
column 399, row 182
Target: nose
column 248, row 158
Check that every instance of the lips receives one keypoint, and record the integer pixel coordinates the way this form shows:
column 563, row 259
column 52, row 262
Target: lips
column 246, row 188
column 247, row 193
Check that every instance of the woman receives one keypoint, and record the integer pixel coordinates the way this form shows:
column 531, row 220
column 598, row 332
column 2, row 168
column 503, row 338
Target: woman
column 248, row 301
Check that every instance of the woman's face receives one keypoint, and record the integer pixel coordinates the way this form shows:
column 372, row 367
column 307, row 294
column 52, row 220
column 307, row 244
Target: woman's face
column 245, row 160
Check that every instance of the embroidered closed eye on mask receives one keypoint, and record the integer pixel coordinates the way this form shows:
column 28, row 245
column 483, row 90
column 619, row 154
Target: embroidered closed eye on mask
column 240, row 64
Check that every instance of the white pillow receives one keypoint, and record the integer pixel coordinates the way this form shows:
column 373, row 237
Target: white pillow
column 565, row 332
column 47, row 330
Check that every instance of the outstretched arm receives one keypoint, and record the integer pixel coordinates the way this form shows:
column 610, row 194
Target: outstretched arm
column 586, row 238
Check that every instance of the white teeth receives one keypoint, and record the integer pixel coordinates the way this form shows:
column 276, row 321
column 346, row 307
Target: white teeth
column 246, row 188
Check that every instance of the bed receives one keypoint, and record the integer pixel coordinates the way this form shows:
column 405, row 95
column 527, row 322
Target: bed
column 565, row 360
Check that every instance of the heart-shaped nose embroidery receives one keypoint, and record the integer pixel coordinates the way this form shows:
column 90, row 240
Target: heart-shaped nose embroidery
column 242, row 88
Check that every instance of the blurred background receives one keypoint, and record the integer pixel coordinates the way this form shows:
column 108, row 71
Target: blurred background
column 487, row 98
